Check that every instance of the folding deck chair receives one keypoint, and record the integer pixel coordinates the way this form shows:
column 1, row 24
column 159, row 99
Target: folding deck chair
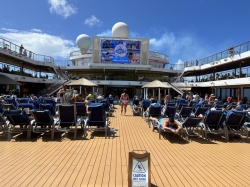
column 43, row 121
column 2, row 125
column 190, row 125
column 145, row 105
column 170, row 111
column 154, row 111
column 97, row 120
column 49, row 107
column 136, row 108
column 18, row 122
column 66, row 120
column 214, row 122
column 235, row 123
column 81, row 110
column 201, row 110
column 158, row 125
column 185, row 112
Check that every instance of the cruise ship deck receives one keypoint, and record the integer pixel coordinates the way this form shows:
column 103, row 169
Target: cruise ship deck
column 104, row 162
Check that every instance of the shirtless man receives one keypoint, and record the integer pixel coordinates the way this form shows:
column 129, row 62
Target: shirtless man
column 169, row 124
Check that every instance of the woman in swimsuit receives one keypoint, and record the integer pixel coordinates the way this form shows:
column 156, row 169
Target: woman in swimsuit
column 124, row 101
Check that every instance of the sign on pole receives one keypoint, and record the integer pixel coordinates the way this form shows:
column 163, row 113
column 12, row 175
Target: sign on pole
column 139, row 169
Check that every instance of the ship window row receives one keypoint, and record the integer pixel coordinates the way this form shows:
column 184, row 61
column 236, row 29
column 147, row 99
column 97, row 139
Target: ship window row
column 8, row 68
column 221, row 75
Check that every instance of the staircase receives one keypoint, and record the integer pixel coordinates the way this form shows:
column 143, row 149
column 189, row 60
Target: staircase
column 58, row 85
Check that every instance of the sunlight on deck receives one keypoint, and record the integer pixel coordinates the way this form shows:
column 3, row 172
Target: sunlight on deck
column 104, row 162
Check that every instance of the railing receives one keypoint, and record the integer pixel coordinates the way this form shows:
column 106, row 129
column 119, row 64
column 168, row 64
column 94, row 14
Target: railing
column 229, row 53
column 18, row 51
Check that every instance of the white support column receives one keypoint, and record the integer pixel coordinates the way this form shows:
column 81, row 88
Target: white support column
column 80, row 89
column 159, row 95
column 165, row 92
column 93, row 91
column 168, row 90
column 153, row 92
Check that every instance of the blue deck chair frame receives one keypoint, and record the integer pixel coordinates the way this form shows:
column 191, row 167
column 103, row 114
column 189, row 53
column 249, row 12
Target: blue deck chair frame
column 97, row 120
column 17, row 118
column 43, row 121
column 191, row 124
column 235, row 123
column 185, row 112
column 201, row 110
column 66, row 120
column 158, row 125
column 214, row 122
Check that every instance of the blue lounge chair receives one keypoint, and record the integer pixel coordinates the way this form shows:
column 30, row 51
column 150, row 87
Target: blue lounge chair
column 201, row 110
column 97, row 120
column 8, row 106
column 235, row 123
column 81, row 110
column 214, row 122
column 170, row 111
column 66, row 120
column 136, row 108
column 145, row 105
column 18, row 122
column 49, row 107
column 184, row 113
column 158, row 125
column 191, row 125
column 43, row 121
column 2, row 125
column 154, row 111
column 180, row 105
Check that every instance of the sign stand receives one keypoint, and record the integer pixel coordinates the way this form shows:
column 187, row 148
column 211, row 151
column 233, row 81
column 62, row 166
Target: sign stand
column 139, row 169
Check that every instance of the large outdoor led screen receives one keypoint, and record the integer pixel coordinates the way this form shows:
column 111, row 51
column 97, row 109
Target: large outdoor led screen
column 120, row 51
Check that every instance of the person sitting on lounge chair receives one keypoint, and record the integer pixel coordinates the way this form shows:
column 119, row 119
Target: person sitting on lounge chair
column 169, row 124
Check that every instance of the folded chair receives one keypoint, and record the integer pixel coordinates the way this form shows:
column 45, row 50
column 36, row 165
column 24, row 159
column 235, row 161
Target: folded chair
column 235, row 123
column 66, row 120
column 97, row 120
column 43, row 121
column 214, row 122
column 18, row 122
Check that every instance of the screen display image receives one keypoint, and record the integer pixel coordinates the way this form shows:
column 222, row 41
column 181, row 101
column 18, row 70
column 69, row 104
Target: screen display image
column 120, row 51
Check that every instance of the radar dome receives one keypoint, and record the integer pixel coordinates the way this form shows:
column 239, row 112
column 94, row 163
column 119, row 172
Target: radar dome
column 120, row 29
column 83, row 41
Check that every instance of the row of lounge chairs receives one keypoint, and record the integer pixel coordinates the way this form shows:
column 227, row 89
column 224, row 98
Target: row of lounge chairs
column 216, row 119
column 68, row 118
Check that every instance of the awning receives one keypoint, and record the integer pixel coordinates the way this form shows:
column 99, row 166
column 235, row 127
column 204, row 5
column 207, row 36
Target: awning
column 6, row 80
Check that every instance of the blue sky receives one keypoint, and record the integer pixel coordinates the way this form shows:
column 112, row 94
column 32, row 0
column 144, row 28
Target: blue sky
column 182, row 29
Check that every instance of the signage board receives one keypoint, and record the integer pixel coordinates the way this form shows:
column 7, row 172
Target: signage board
column 139, row 172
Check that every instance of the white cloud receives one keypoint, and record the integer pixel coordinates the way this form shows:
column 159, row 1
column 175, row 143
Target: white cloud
column 62, row 8
column 106, row 33
column 41, row 43
column 36, row 30
column 9, row 30
column 92, row 21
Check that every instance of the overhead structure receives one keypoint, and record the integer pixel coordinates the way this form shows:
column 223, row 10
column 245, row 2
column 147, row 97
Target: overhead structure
column 6, row 80
column 157, row 84
column 82, row 82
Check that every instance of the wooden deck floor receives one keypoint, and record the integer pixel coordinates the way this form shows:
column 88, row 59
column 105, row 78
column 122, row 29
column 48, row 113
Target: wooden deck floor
column 104, row 162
